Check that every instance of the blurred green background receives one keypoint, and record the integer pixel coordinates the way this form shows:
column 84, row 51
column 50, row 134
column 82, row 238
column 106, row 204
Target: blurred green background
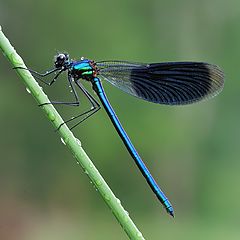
column 192, row 151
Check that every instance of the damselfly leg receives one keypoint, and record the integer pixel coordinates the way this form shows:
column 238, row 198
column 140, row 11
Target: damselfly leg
column 95, row 105
column 40, row 76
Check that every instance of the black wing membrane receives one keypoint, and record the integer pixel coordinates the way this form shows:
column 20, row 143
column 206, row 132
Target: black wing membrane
column 171, row 83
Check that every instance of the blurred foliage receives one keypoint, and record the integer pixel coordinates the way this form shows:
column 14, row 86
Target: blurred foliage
column 193, row 151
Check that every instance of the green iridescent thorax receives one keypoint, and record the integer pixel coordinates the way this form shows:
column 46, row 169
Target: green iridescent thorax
column 82, row 69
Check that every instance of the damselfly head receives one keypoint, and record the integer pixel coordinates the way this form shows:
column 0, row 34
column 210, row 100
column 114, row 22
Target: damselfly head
column 61, row 60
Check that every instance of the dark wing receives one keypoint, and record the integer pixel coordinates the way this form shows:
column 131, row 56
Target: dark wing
column 172, row 83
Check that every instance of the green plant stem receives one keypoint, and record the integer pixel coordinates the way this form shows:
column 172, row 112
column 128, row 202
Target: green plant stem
column 70, row 141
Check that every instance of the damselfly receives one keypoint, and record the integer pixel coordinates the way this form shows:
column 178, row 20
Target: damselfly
column 171, row 83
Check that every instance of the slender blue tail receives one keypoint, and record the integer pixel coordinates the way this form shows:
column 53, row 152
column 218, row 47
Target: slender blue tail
column 97, row 87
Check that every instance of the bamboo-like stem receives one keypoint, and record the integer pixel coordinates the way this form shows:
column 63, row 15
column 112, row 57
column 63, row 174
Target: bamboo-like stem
column 71, row 142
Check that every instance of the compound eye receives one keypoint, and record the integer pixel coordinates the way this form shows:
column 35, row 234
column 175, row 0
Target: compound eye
column 60, row 60
column 61, row 57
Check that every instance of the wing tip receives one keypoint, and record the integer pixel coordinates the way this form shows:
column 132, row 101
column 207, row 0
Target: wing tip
column 217, row 79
